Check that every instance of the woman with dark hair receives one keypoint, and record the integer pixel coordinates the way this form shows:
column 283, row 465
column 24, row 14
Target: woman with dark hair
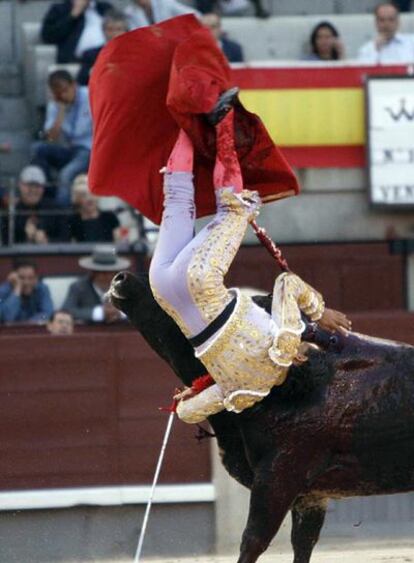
column 325, row 43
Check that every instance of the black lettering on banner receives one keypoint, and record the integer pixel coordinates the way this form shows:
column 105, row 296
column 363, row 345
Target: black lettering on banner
column 397, row 193
column 402, row 112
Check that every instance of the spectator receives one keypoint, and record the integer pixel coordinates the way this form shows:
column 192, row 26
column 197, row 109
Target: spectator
column 23, row 298
column 36, row 221
column 60, row 323
column 325, row 43
column 114, row 24
column 389, row 47
column 231, row 7
column 89, row 224
column 74, row 26
column 86, row 299
column 68, row 130
column 140, row 13
column 231, row 49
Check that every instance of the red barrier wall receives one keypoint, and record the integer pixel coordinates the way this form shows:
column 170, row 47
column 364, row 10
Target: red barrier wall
column 83, row 410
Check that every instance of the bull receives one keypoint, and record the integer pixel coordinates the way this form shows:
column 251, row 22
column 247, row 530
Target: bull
column 341, row 425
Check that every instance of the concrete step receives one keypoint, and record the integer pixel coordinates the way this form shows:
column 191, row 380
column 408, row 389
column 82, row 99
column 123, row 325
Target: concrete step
column 11, row 83
column 297, row 7
column 320, row 7
column 13, row 161
column 13, row 113
column 355, row 6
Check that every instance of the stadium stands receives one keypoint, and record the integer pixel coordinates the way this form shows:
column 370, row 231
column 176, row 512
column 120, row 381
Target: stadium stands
column 275, row 39
column 281, row 38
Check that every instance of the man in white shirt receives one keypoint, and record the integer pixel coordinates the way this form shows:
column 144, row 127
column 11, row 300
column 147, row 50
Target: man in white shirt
column 389, row 46
column 74, row 26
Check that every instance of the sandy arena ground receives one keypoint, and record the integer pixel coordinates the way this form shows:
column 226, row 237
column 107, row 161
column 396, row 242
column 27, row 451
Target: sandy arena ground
column 368, row 555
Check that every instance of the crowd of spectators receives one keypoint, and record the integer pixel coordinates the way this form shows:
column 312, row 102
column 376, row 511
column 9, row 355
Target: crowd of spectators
column 25, row 298
column 388, row 46
column 47, row 209
column 80, row 28
column 51, row 206
column 38, row 220
column 73, row 18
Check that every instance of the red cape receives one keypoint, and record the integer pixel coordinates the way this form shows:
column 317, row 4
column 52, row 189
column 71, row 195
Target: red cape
column 144, row 86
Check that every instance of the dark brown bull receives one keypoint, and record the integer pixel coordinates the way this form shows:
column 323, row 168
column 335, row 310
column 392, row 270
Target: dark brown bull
column 341, row 425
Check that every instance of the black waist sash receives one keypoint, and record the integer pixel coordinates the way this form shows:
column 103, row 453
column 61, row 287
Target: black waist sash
column 214, row 326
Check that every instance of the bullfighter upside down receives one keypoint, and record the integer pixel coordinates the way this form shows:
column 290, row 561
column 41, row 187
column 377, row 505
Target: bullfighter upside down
column 246, row 350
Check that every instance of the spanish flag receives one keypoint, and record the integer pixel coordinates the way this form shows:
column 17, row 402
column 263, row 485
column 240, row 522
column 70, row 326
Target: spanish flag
column 316, row 115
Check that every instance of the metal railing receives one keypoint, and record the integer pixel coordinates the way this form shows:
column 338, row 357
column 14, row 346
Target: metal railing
column 137, row 236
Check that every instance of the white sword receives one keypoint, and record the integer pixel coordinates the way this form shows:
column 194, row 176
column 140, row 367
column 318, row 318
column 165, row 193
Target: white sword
column 154, row 483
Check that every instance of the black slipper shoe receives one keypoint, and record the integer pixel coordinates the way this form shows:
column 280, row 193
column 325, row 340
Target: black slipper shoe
column 223, row 106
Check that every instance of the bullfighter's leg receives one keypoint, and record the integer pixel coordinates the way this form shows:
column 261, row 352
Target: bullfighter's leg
column 187, row 273
column 168, row 270
column 308, row 517
column 275, row 487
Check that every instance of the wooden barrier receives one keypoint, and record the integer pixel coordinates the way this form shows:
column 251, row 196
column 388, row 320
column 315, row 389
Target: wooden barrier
column 83, row 410
column 351, row 276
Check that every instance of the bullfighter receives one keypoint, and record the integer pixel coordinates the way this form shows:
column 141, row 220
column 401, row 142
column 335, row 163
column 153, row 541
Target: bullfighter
column 246, row 350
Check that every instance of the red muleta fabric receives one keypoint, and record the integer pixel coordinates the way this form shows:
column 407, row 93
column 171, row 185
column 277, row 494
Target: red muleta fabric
column 148, row 83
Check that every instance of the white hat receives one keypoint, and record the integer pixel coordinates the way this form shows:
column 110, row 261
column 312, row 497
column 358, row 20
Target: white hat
column 104, row 259
column 33, row 175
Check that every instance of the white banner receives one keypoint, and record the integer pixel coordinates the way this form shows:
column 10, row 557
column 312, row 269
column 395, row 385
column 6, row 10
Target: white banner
column 390, row 139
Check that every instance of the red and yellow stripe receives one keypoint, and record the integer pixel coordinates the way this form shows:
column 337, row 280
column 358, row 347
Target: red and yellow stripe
column 316, row 115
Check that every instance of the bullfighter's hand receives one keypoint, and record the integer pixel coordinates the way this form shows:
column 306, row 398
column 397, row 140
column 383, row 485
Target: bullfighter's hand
column 334, row 321
column 185, row 394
